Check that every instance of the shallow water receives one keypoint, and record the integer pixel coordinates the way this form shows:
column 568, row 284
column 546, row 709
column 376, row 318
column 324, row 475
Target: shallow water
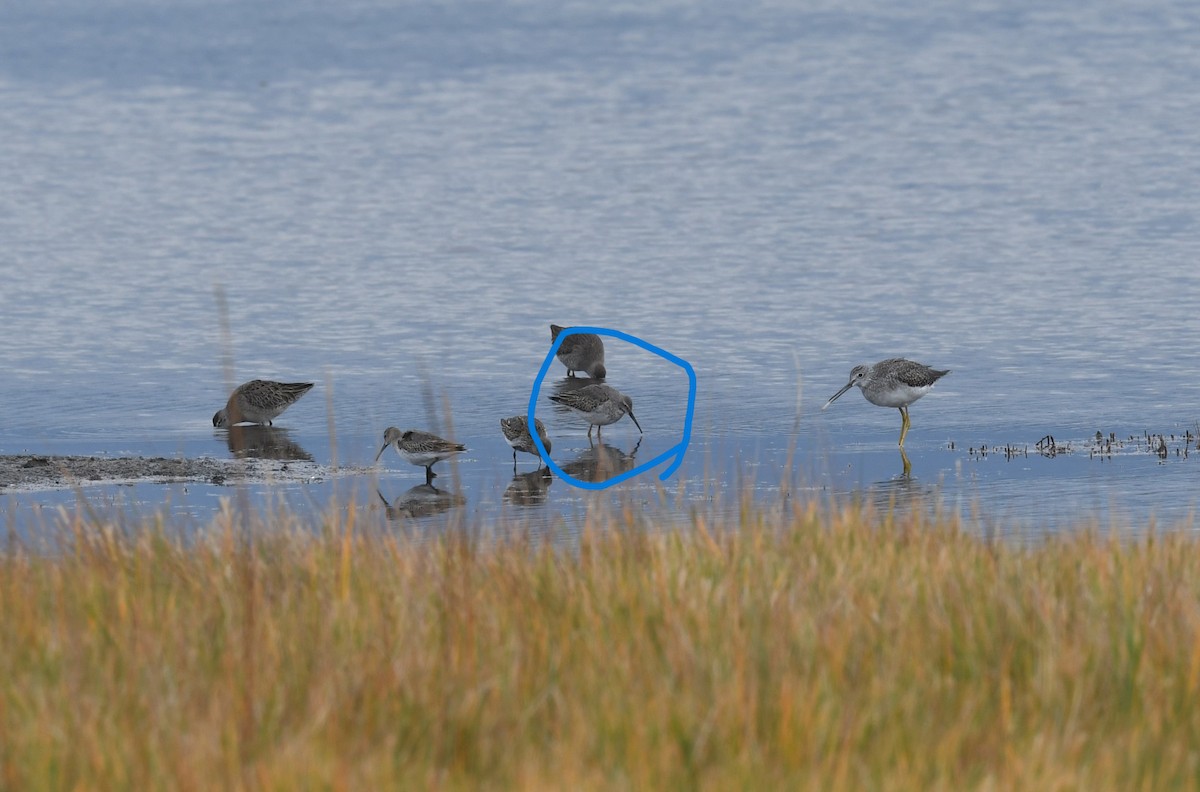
column 398, row 201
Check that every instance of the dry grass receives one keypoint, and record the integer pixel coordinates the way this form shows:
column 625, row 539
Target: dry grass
column 814, row 649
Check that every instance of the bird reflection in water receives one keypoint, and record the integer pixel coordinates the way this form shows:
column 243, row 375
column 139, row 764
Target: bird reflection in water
column 256, row 441
column 569, row 385
column 423, row 500
column 529, row 489
column 600, row 463
column 904, row 493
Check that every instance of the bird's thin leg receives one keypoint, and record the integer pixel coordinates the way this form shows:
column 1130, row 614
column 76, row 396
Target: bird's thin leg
column 589, row 431
column 429, row 474
column 904, row 424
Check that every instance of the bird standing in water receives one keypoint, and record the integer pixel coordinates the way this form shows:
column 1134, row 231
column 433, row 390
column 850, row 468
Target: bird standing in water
column 600, row 405
column 423, row 449
column 894, row 382
column 580, row 352
column 516, row 432
column 259, row 401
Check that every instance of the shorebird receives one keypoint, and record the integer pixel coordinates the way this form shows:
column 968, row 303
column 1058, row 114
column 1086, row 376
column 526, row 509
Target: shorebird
column 599, row 404
column 259, row 401
column 580, row 352
column 516, row 432
column 894, row 382
column 422, row 449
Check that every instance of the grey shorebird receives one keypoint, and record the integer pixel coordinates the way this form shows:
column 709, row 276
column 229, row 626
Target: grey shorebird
column 580, row 352
column 259, row 401
column 600, row 405
column 516, row 432
column 422, row 449
column 894, row 382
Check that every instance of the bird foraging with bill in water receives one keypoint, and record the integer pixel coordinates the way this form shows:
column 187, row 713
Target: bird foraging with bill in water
column 599, row 405
column 516, row 432
column 259, row 401
column 580, row 352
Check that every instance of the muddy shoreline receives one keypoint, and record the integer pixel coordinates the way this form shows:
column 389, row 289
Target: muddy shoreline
column 40, row 471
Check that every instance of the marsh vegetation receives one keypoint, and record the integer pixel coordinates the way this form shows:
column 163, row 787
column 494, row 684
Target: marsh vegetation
column 795, row 646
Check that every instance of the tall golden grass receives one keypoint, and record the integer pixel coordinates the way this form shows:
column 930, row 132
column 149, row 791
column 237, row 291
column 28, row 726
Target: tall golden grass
column 804, row 647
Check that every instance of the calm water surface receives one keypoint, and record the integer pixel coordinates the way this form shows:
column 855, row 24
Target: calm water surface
column 397, row 201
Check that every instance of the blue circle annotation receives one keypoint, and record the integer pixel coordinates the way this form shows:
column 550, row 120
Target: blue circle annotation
column 676, row 451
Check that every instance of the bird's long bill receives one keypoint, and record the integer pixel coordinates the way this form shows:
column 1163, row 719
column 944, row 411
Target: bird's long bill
column 635, row 423
column 385, row 445
column 834, row 397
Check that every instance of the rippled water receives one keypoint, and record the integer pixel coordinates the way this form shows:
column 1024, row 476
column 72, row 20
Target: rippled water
column 397, row 201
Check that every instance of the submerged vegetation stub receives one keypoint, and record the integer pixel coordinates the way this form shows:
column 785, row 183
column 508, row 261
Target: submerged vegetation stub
column 1164, row 445
column 676, row 452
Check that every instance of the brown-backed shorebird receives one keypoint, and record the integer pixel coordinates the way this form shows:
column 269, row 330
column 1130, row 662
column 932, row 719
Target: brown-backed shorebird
column 259, row 401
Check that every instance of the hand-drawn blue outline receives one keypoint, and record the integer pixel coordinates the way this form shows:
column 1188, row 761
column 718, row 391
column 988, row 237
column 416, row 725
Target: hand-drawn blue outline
column 678, row 451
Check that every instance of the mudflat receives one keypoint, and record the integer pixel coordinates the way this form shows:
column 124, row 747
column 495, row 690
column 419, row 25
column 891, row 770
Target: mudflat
column 40, row 471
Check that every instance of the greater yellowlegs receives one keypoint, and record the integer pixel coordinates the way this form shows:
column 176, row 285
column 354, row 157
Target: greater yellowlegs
column 600, row 405
column 259, row 401
column 516, row 432
column 580, row 352
column 894, row 382
column 422, row 449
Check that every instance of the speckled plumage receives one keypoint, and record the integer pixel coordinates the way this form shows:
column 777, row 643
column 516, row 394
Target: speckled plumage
column 423, row 449
column 516, row 432
column 600, row 405
column 580, row 352
column 259, row 401
column 894, row 382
